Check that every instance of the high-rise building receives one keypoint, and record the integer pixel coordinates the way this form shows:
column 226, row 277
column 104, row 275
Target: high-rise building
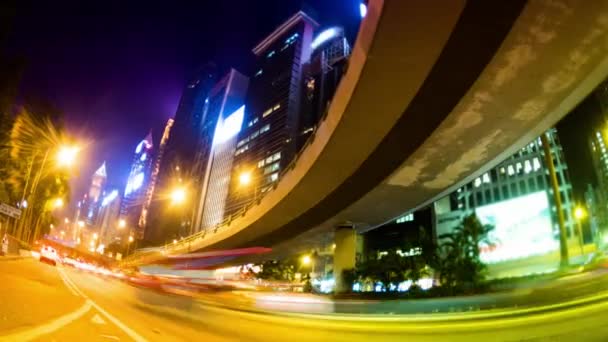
column 226, row 109
column 91, row 201
column 135, row 191
column 330, row 52
column 143, row 218
column 179, row 165
column 267, row 142
column 109, row 213
column 516, row 198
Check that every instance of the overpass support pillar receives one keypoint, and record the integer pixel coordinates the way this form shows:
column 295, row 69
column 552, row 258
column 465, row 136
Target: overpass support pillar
column 345, row 254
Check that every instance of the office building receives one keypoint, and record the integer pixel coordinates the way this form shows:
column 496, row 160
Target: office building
column 181, row 162
column 330, row 53
column 109, row 214
column 267, row 142
column 135, row 191
column 158, row 157
column 91, row 200
column 516, row 198
column 226, row 109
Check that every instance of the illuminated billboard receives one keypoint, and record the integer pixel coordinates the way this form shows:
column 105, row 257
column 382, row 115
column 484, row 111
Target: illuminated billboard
column 229, row 127
column 522, row 228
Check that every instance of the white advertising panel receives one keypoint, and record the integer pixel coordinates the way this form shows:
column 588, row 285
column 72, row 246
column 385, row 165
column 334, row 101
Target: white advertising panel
column 522, row 228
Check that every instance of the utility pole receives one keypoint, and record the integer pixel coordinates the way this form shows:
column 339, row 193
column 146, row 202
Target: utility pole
column 563, row 242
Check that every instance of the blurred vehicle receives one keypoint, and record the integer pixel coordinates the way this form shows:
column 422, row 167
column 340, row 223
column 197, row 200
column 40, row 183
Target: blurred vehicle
column 48, row 255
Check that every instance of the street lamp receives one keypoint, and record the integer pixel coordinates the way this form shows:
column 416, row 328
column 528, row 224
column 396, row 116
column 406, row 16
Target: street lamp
column 66, row 155
column 122, row 223
column 306, row 260
column 81, row 224
column 178, row 195
column 245, row 178
column 579, row 214
column 58, row 203
column 95, row 236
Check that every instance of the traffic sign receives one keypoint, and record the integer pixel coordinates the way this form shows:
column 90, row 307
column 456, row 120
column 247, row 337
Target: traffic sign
column 9, row 211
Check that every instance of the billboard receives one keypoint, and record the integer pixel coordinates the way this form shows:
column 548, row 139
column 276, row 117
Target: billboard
column 522, row 228
column 229, row 127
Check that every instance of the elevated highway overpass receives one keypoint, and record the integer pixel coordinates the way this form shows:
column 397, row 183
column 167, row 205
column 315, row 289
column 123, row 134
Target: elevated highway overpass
column 434, row 95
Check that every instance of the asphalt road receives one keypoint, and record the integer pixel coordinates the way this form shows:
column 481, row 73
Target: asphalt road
column 46, row 303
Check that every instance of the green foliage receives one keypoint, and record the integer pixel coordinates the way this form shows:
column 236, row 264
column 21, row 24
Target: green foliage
column 394, row 267
column 277, row 270
column 459, row 263
column 27, row 162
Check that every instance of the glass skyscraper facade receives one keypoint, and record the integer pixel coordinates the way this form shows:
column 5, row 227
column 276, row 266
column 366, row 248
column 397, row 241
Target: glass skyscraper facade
column 267, row 142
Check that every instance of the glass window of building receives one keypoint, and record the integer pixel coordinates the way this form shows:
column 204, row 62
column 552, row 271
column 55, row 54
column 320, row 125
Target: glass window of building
column 478, row 199
column 486, row 178
column 488, row 196
column 531, row 184
column 518, row 168
column 510, row 170
column 514, row 192
column 522, row 187
column 535, row 164
column 496, row 194
column 527, row 167
column 505, row 192
column 477, row 182
column 540, row 179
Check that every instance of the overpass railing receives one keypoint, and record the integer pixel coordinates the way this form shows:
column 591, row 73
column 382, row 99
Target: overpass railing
column 185, row 245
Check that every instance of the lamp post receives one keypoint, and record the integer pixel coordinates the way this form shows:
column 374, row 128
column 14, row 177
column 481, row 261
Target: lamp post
column 66, row 156
column 246, row 179
column 580, row 213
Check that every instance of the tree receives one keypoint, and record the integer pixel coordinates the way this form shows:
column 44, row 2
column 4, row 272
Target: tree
column 27, row 162
column 276, row 270
column 460, row 264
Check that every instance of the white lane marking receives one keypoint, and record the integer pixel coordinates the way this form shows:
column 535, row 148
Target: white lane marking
column 47, row 328
column 135, row 336
column 97, row 319
column 67, row 283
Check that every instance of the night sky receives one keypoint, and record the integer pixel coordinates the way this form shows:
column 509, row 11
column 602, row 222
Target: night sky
column 116, row 69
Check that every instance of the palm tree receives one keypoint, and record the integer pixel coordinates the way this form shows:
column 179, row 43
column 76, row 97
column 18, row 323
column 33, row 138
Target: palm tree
column 460, row 263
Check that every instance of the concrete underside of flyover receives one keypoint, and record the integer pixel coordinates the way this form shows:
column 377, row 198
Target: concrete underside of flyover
column 434, row 96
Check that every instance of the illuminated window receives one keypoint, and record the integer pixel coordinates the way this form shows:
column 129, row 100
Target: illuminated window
column 405, row 218
column 292, row 38
column 276, row 156
column 502, row 170
column 308, row 130
column 477, row 182
column 265, row 128
column 510, row 170
column 259, row 72
column 527, row 167
column 242, row 142
column 535, row 164
column 267, row 112
column 518, row 167
column 253, row 122
column 277, row 106
column 261, row 163
column 241, row 150
column 486, row 178
column 255, row 134
column 272, row 168
column 270, row 54
column 274, row 177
